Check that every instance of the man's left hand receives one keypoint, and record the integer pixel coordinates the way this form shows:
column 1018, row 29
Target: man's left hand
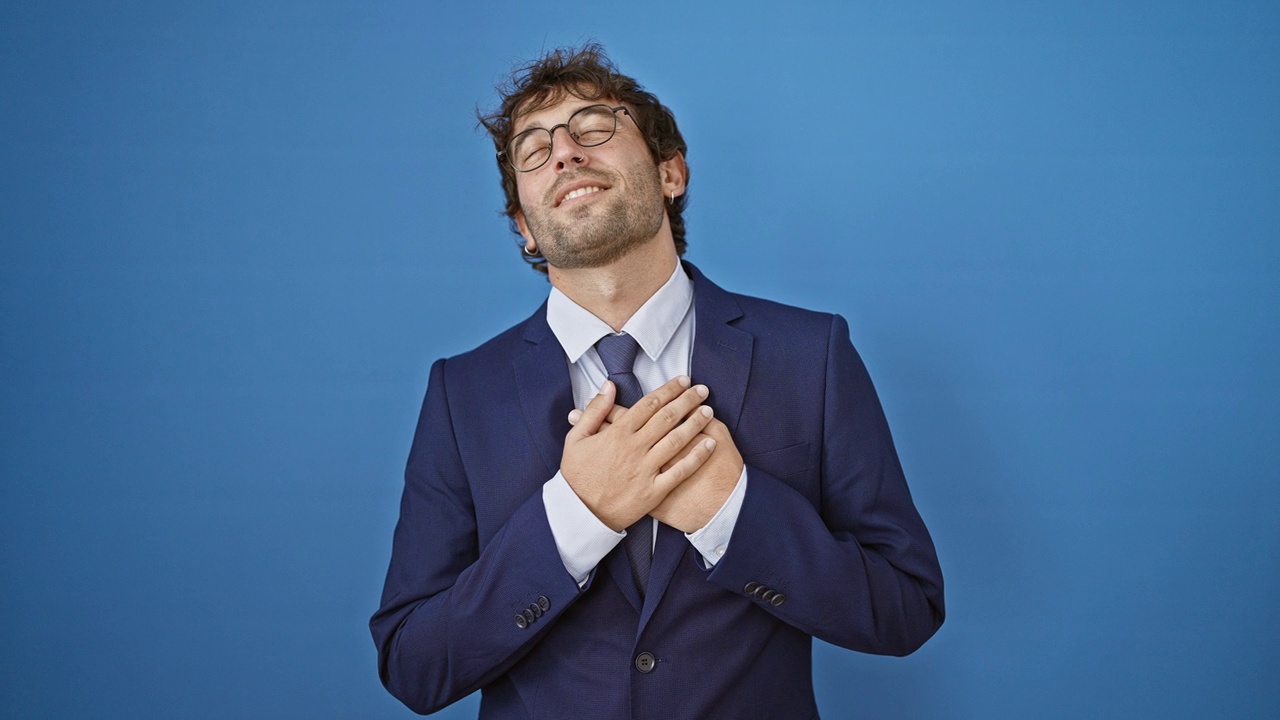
column 694, row 502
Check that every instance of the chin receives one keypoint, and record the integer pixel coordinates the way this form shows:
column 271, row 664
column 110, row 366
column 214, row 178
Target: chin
column 582, row 259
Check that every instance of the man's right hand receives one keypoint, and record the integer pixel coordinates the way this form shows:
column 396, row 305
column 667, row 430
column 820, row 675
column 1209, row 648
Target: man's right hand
column 616, row 468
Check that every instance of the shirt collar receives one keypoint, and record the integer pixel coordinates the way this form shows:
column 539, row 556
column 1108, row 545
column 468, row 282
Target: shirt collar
column 652, row 325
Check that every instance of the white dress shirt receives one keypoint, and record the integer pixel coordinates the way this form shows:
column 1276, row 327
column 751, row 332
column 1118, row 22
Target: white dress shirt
column 664, row 329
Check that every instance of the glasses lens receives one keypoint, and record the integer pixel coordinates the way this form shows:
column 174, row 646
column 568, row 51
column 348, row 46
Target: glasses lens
column 593, row 125
column 529, row 149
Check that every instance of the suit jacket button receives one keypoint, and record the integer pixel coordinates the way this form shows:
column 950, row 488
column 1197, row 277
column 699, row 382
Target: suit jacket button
column 521, row 622
column 536, row 609
column 544, row 603
column 751, row 587
column 768, row 595
column 760, row 590
column 528, row 616
column 778, row 599
column 645, row 662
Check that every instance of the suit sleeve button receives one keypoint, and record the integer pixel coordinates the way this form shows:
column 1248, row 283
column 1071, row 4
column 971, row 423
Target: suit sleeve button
column 521, row 622
column 544, row 603
column 645, row 662
column 751, row 587
column 536, row 609
column 760, row 590
column 768, row 595
column 528, row 616
column 778, row 599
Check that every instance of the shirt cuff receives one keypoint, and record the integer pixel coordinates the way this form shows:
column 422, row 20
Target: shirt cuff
column 712, row 540
column 581, row 538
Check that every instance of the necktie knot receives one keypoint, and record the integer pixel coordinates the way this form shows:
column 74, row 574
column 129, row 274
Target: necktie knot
column 618, row 353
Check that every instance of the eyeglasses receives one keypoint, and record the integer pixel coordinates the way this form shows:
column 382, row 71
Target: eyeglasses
column 591, row 126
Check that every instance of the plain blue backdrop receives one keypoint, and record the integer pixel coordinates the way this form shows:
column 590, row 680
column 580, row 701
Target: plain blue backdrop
column 234, row 235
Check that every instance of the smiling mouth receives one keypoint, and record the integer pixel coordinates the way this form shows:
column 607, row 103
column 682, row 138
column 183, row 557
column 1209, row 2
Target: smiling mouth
column 580, row 192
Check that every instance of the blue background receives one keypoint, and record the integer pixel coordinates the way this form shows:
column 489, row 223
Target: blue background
column 234, row 236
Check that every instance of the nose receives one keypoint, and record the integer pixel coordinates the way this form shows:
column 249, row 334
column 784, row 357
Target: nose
column 565, row 152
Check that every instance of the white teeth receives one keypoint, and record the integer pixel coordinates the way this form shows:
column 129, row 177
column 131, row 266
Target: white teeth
column 581, row 191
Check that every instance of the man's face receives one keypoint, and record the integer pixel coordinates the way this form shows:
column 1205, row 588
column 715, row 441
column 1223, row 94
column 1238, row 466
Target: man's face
column 587, row 207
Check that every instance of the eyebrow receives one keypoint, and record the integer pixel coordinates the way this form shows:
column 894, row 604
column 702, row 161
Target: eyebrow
column 531, row 126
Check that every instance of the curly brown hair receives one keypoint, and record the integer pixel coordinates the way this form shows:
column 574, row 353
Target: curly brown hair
column 586, row 73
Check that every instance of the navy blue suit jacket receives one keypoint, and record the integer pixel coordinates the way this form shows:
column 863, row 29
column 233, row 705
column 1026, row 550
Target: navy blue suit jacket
column 828, row 543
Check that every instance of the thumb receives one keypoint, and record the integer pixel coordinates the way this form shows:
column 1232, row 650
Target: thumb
column 589, row 422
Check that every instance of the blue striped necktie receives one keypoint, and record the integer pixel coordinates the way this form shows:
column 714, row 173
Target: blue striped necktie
column 619, row 355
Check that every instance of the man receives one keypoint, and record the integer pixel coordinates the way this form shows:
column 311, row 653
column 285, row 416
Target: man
column 646, row 499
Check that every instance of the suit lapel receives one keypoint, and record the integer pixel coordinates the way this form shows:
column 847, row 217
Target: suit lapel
column 721, row 352
column 619, row 567
column 669, row 549
column 546, row 397
column 722, row 362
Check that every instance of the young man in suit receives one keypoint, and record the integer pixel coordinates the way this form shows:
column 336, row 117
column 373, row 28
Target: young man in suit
column 646, row 499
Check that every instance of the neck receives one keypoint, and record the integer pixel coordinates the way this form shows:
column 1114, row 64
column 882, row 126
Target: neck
column 614, row 292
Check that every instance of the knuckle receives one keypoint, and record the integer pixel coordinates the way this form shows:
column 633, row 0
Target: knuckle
column 679, row 435
column 672, row 443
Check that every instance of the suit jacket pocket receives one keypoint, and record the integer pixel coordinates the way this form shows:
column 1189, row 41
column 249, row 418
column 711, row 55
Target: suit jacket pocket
column 783, row 462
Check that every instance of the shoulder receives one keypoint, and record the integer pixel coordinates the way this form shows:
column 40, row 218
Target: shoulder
column 764, row 311
column 759, row 316
column 496, row 354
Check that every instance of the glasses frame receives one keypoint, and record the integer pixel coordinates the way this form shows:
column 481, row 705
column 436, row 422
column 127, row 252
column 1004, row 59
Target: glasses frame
column 504, row 155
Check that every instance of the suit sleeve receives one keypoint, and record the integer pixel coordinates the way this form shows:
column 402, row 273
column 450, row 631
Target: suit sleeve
column 858, row 570
column 454, row 616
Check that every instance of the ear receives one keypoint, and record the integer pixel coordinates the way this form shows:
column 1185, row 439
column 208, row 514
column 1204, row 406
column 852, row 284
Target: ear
column 673, row 173
column 523, row 226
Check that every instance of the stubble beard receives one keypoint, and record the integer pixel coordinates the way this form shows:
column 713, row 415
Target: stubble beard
column 598, row 234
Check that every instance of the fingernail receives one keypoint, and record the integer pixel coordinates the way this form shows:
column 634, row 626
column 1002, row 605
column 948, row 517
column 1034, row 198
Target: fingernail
column 684, row 381
column 705, row 410
column 574, row 415
column 709, row 444
column 702, row 390
column 605, row 386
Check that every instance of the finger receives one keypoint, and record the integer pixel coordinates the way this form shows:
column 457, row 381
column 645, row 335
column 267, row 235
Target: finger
column 679, row 437
column 617, row 412
column 717, row 430
column 596, row 411
column 575, row 415
column 685, row 467
column 644, row 409
column 672, row 414
column 688, row 448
